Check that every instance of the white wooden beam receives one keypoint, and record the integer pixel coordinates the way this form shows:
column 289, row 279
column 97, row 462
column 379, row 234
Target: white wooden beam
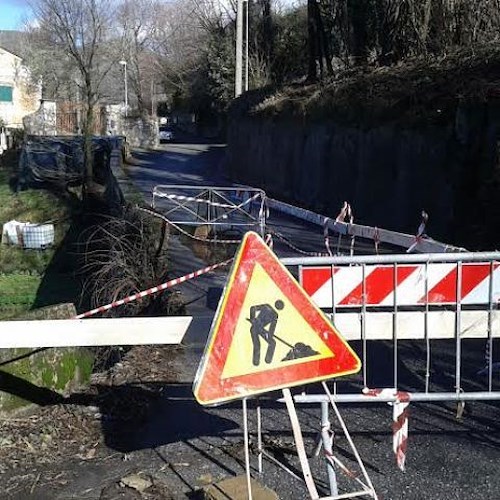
column 93, row 332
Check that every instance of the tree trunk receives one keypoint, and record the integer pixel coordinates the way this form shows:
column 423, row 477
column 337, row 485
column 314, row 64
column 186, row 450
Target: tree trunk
column 312, row 40
column 359, row 21
column 88, row 175
column 318, row 44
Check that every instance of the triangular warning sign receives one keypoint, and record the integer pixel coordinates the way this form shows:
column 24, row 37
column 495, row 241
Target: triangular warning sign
column 267, row 334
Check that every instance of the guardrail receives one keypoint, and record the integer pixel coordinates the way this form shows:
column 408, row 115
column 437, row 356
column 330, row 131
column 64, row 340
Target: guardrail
column 422, row 244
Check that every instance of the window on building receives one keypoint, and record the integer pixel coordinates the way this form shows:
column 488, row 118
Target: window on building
column 5, row 93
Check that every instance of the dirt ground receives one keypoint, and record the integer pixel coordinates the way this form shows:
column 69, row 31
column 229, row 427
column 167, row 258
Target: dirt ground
column 44, row 449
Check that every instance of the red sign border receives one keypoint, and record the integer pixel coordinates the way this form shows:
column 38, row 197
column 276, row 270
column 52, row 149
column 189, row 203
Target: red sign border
column 210, row 388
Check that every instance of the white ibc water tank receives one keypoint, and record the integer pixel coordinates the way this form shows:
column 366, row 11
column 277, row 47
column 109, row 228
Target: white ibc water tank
column 27, row 235
column 38, row 236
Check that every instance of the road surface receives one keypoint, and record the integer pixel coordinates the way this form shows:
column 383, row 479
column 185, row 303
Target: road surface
column 448, row 458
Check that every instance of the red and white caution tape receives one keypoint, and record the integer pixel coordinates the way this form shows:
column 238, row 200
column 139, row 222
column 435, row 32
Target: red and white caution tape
column 376, row 239
column 400, row 412
column 205, row 201
column 269, row 240
column 420, row 231
column 151, row 291
column 294, row 248
column 326, row 235
column 343, row 212
column 154, row 213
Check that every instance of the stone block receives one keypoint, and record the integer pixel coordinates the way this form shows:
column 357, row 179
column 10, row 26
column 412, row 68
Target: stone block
column 235, row 488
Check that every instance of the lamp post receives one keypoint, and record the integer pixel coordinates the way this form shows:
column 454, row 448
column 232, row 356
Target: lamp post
column 124, row 64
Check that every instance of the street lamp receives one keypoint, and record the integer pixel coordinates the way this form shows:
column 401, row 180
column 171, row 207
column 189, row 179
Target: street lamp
column 124, row 64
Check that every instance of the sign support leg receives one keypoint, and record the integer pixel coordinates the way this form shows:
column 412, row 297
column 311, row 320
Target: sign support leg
column 299, row 442
column 327, row 439
column 259, row 436
column 247, row 452
column 369, row 488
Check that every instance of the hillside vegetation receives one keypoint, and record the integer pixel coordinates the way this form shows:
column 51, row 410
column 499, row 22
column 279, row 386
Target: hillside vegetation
column 417, row 91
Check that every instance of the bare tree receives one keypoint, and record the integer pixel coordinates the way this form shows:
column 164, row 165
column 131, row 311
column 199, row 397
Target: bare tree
column 137, row 26
column 81, row 30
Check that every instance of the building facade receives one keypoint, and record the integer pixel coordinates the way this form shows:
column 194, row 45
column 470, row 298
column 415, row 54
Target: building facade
column 18, row 97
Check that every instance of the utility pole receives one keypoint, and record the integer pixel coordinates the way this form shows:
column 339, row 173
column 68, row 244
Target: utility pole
column 239, row 49
column 246, row 45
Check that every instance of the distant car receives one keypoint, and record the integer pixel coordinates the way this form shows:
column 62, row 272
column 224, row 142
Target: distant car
column 166, row 134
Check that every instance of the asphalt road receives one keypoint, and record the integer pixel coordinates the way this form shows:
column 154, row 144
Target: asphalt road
column 447, row 458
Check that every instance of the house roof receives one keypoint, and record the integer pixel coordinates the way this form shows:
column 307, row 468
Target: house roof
column 12, row 41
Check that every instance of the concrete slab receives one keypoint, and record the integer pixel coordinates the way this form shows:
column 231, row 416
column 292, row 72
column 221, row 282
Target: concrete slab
column 235, row 488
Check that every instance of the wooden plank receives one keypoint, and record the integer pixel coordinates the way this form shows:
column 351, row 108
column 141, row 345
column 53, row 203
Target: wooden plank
column 93, row 332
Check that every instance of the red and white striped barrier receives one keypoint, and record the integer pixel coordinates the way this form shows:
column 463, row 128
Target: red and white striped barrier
column 400, row 413
column 151, row 291
column 345, row 286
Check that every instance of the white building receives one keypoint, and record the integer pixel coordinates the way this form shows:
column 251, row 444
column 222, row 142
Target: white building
column 17, row 97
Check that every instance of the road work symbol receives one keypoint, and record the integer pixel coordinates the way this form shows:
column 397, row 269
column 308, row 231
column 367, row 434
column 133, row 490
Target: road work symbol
column 264, row 319
column 267, row 333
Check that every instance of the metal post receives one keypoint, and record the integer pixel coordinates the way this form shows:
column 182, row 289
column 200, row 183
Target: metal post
column 153, row 98
column 489, row 341
column 124, row 64
column 363, row 323
column 395, row 326
column 327, row 439
column 246, row 44
column 247, row 452
column 426, row 331
column 126, row 90
column 259, row 437
column 239, row 49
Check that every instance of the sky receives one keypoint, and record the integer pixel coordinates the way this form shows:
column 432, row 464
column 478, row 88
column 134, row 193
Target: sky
column 13, row 13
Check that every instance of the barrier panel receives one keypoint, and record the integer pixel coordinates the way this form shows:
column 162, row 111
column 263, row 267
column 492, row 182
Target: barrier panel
column 437, row 317
column 217, row 208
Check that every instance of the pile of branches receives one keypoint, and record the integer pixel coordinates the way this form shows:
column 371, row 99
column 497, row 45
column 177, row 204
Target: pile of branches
column 125, row 255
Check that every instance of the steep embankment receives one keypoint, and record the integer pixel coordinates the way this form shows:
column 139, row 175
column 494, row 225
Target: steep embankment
column 390, row 141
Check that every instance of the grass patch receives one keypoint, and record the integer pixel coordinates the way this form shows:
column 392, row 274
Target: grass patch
column 21, row 270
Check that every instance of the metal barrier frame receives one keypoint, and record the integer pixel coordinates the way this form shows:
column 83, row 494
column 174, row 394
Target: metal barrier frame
column 490, row 310
column 221, row 203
